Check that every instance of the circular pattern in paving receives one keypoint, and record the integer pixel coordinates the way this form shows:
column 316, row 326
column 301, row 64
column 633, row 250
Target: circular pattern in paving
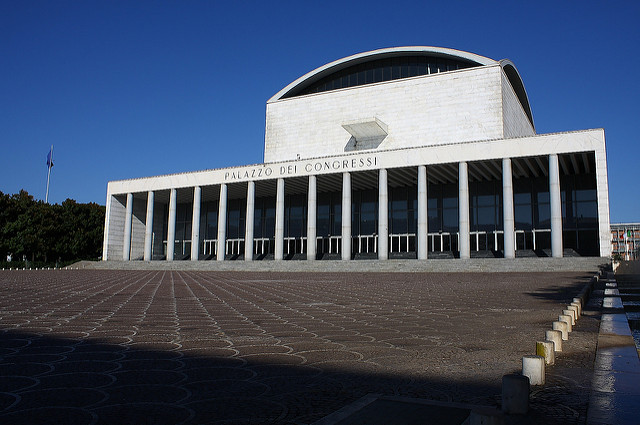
column 170, row 347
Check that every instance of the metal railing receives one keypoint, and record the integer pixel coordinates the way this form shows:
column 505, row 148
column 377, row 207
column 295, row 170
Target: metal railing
column 293, row 245
column 210, row 246
column 262, row 246
column 368, row 242
column 401, row 240
column 234, row 246
column 365, row 244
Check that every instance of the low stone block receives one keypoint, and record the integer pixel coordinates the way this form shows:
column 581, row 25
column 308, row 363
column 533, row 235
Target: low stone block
column 533, row 368
column 515, row 394
column 578, row 307
column 562, row 327
column 571, row 314
column 555, row 336
column 567, row 319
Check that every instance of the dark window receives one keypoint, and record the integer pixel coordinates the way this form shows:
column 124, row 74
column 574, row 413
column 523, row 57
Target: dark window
column 379, row 70
column 295, row 216
column 329, row 214
column 236, row 209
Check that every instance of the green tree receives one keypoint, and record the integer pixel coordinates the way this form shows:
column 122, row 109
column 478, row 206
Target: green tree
column 48, row 232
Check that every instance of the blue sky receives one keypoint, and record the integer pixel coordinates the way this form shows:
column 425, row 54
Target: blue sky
column 126, row 89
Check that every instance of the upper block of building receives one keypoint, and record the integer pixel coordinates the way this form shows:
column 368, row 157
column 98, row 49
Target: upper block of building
column 394, row 98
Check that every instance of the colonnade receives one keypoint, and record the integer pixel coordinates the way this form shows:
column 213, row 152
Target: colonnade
column 383, row 219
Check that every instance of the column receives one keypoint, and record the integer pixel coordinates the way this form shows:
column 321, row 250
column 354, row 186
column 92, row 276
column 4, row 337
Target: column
column 171, row 232
column 556, row 206
column 383, row 215
column 248, row 234
column 423, row 217
column 346, row 216
column 195, row 224
column 126, row 246
column 106, row 252
column 312, row 210
column 507, row 210
column 463, row 210
column 148, row 227
column 279, row 248
column 222, row 223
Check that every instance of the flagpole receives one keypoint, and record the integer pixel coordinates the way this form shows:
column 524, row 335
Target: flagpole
column 46, row 198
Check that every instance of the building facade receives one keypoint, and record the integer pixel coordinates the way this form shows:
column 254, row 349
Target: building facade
column 411, row 152
column 625, row 240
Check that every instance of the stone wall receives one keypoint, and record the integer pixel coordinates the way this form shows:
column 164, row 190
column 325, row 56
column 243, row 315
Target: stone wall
column 457, row 106
column 515, row 120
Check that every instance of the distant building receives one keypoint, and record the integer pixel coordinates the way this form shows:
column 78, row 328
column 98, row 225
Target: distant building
column 413, row 152
column 625, row 240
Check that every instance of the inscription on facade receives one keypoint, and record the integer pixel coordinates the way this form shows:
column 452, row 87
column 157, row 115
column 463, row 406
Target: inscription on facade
column 301, row 168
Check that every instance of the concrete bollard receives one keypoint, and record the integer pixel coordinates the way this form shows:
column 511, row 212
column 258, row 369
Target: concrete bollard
column 571, row 314
column 574, row 308
column 567, row 319
column 562, row 327
column 555, row 337
column 546, row 350
column 515, row 394
column 533, row 368
column 578, row 308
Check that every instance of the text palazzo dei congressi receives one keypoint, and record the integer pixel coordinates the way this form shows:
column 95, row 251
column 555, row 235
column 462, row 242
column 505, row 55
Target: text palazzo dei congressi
column 306, row 167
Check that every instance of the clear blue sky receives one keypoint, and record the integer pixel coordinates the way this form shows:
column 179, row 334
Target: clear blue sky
column 126, row 89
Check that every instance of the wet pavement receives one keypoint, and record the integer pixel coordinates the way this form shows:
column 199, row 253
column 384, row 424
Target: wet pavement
column 615, row 395
column 144, row 346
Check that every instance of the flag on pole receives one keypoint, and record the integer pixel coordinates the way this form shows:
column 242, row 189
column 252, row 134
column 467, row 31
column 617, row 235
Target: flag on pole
column 50, row 158
column 49, row 165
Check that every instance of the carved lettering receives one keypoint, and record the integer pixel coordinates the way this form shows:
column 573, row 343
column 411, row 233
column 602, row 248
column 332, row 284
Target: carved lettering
column 243, row 174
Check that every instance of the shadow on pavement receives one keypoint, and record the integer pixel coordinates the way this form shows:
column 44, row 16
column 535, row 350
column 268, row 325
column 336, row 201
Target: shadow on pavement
column 62, row 380
column 67, row 380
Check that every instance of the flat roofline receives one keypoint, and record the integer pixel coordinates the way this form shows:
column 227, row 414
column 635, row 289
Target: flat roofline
column 190, row 176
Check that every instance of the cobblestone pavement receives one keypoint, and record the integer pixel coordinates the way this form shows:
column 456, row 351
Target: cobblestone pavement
column 100, row 346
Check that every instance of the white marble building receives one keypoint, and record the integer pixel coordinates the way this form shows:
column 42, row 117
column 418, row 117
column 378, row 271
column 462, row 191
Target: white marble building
column 433, row 150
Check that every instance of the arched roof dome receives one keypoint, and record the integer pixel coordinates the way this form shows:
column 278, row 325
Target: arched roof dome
column 449, row 59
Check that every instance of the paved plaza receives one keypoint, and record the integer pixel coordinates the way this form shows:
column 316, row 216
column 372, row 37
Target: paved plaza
column 169, row 347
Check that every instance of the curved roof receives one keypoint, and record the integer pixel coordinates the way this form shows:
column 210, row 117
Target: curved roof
column 297, row 86
column 518, row 86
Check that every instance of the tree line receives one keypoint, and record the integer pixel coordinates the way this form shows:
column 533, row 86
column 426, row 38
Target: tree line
column 35, row 233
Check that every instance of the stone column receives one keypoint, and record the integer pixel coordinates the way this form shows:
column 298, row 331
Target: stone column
column 423, row 217
column 222, row 223
column 312, row 210
column 556, row 206
column 463, row 210
column 106, row 252
column 148, row 227
column 171, row 228
column 248, row 234
column 508, row 223
column 383, row 215
column 346, row 216
column 126, row 246
column 195, row 224
column 279, row 248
